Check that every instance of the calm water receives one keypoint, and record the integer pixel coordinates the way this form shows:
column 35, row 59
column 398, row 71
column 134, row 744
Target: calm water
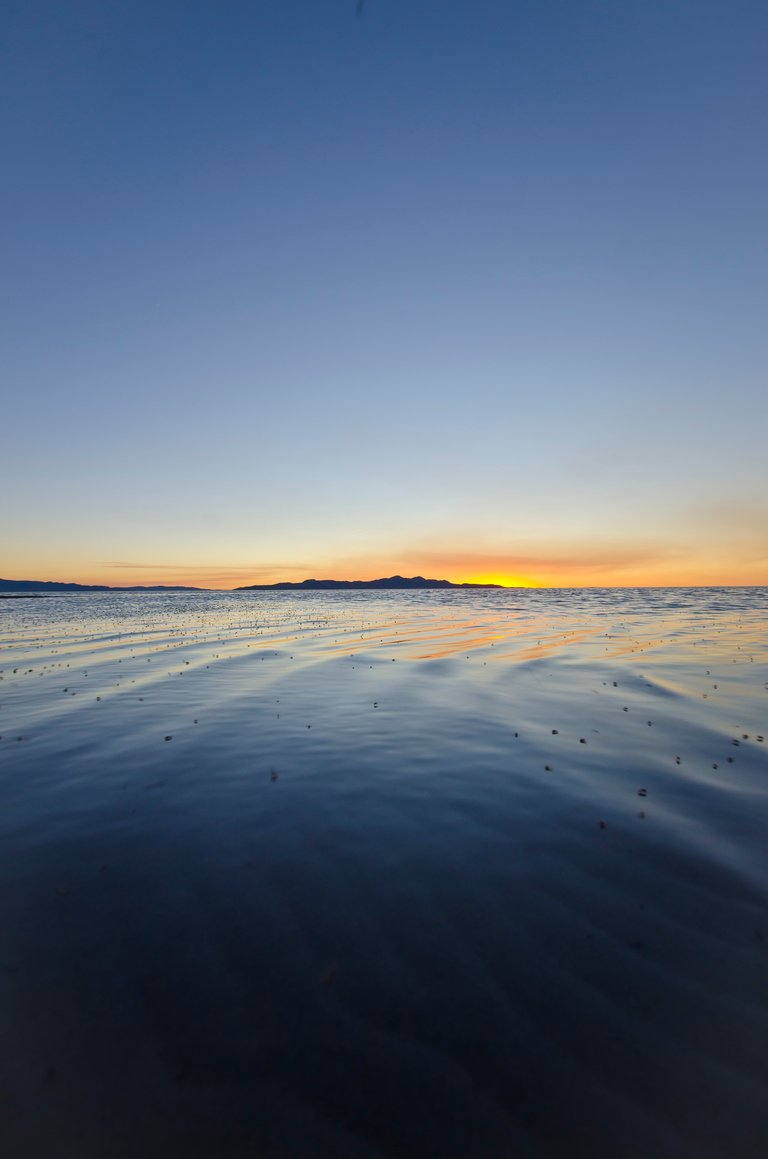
column 384, row 874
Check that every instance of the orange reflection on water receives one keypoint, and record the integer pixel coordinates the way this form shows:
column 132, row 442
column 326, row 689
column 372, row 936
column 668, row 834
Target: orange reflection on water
column 418, row 640
column 547, row 646
column 450, row 635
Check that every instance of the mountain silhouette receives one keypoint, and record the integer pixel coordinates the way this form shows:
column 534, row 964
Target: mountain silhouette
column 394, row 581
column 7, row 585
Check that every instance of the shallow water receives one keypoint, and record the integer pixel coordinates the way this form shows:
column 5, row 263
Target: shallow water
column 384, row 874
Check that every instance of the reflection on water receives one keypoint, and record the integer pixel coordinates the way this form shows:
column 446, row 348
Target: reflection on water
column 384, row 873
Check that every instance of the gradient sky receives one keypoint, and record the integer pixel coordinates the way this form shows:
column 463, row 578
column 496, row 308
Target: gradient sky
column 470, row 288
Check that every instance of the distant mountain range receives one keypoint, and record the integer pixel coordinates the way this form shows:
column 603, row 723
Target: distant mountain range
column 394, row 581
column 397, row 582
column 7, row 585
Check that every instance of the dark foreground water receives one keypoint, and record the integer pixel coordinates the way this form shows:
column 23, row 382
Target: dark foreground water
column 384, row 874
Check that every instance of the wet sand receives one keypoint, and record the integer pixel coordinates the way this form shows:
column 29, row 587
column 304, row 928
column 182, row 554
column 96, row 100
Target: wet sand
column 384, row 874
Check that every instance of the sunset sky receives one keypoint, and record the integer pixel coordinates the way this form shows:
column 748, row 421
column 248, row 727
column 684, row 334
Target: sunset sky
column 473, row 289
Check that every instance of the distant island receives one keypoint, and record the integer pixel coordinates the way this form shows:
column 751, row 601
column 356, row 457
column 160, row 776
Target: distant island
column 7, row 585
column 398, row 582
column 18, row 588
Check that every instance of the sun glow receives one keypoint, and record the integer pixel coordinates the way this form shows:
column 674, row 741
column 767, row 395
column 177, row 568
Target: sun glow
column 505, row 581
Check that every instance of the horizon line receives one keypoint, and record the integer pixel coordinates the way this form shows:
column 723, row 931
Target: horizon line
column 296, row 585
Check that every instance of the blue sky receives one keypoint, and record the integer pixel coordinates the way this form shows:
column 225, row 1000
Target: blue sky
column 458, row 288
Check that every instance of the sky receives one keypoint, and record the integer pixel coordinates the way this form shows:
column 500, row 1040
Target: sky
column 471, row 289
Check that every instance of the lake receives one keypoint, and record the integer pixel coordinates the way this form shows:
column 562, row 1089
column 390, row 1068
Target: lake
column 367, row 873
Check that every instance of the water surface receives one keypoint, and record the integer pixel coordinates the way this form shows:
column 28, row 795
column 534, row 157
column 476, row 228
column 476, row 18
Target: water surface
column 384, row 874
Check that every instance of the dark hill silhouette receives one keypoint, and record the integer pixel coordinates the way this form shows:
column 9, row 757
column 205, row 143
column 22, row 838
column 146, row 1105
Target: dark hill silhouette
column 7, row 585
column 394, row 581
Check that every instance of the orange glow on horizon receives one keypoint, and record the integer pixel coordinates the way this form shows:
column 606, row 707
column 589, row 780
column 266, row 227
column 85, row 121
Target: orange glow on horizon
column 587, row 565
column 503, row 580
